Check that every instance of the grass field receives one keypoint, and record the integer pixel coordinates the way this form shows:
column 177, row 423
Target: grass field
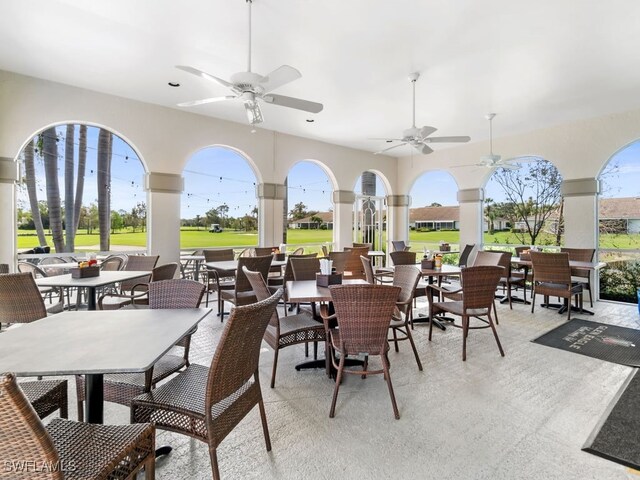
column 190, row 238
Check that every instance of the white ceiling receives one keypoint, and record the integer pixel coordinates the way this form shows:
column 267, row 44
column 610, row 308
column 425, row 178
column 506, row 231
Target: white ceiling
column 536, row 63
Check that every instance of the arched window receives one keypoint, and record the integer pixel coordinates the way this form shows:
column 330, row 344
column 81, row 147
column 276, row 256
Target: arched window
column 81, row 190
column 308, row 206
column 218, row 206
column 523, row 206
column 619, row 225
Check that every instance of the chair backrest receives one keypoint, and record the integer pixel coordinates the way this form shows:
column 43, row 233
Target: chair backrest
column 464, row 256
column 362, row 245
column 175, row 293
column 288, row 270
column 403, row 258
column 52, row 260
column 164, row 272
column 364, row 313
column 305, row 268
column 368, row 269
column 112, row 263
column 479, row 286
column 236, row 359
column 247, row 252
column 339, row 260
column 34, row 270
column 262, row 251
column 406, row 277
column 4, row 268
column 354, row 264
column 398, row 245
column 20, row 299
column 551, row 267
column 22, row 434
column 256, row 264
column 261, row 290
column 521, row 249
column 298, row 251
column 139, row 263
column 580, row 255
column 219, row 255
column 484, row 257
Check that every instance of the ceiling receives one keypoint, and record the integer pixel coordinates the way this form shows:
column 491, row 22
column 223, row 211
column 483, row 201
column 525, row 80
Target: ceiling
column 537, row 64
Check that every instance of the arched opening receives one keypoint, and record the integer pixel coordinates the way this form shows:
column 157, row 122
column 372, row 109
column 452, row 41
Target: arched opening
column 619, row 225
column 307, row 208
column 218, row 206
column 524, row 205
column 81, row 190
column 369, row 213
column 434, row 216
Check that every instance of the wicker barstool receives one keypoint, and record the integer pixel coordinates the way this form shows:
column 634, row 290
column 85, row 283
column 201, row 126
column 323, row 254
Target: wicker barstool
column 478, row 288
column 122, row 387
column 215, row 282
column 75, row 450
column 362, row 313
column 242, row 293
column 406, row 277
column 207, row 403
column 287, row 331
column 552, row 277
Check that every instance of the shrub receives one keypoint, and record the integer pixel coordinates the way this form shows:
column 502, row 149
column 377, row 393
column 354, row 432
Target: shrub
column 619, row 281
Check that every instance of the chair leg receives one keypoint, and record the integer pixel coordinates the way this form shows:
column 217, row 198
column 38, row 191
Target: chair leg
column 315, row 350
column 214, row 464
column 332, row 412
column 306, row 349
column 509, row 297
column 413, row 346
column 495, row 311
column 265, row 427
column 568, row 304
column 385, row 367
column 275, row 365
column 430, row 319
column 465, row 330
column 495, row 334
column 589, row 290
column 64, row 408
column 533, row 299
column 80, row 411
column 150, row 467
column 395, row 339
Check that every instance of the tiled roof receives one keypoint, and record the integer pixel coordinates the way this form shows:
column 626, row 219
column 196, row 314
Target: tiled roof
column 614, row 208
column 435, row 214
column 327, row 217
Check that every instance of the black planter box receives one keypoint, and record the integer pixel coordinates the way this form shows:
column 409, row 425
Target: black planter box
column 326, row 280
column 85, row 272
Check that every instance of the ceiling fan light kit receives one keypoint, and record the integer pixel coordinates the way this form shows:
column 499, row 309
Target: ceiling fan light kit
column 419, row 138
column 250, row 87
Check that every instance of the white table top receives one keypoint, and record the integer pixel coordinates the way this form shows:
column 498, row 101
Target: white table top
column 572, row 264
column 198, row 258
column 309, row 291
column 232, row 265
column 90, row 342
column 105, row 278
column 376, row 253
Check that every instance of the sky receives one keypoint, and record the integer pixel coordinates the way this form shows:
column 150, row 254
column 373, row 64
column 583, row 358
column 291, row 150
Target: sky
column 215, row 176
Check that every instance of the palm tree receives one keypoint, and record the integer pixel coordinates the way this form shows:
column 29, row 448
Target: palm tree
column 316, row 220
column 104, row 187
column 69, row 222
column 82, row 162
column 50, row 153
column 32, row 191
column 490, row 213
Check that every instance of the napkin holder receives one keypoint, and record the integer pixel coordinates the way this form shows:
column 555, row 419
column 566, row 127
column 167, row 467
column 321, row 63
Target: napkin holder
column 85, row 272
column 323, row 280
column 427, row 264
column 279, row 257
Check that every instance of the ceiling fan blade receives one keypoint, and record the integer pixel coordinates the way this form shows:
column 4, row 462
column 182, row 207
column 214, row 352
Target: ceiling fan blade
column 279, row 77
column 426, row 131
column 205, row 75
column 386, row 139
column 389, row 148
column 206, row 100
column 426, row 149
column 458, row 139
column 291, row 102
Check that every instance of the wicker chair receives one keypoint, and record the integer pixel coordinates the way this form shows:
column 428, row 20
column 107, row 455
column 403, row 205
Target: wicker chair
column 138, row 292
column 406, row 277
column 552, row 277
column 339, row 260
column 287, row 331
column 4, row 268
column 362, row 245
column 112, row 263
column 122, row 387
column 464, row 256
column 207, row 403
column 403, row 257
column 263, row 251
column 478, row 287
column 584, row 276
column 353, row 266
column 88, row 451
column 508, row 280
column 400, row 246
column 305, row 268
column 242, row 294
column 37, row 272
column 362, row 313
column 281, row 281
column 214, row 281
column 298, row 251
column 372, row 276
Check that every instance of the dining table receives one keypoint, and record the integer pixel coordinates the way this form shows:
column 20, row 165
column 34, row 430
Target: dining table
column 95, row 343
column 106, row 277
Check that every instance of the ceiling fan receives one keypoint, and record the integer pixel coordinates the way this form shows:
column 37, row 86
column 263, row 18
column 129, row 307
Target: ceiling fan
column 492, row 160
column 250, row 87
column 419, row 138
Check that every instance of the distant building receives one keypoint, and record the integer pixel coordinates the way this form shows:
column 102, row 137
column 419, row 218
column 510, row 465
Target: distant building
column 620, row 215
column 306, row 223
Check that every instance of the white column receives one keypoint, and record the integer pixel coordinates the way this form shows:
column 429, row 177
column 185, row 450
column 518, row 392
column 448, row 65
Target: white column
column 343, row 201
column 163, row 215
column 9, row 175
column 397, row 219
column 471, row 216
column 581, row 212
column 270, row 221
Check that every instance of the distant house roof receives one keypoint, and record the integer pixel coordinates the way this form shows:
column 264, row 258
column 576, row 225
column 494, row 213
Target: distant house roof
column 623, row 208
column 434, row 214
column 327, row 217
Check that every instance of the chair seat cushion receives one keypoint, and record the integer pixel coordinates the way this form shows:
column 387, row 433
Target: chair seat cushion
column 101, row 451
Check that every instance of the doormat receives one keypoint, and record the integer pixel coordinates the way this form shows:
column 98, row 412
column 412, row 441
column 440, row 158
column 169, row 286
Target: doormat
column 616, row 436
column 598, row 340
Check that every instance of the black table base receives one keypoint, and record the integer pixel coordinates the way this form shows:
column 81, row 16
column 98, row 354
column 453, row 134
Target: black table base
column 94, row 396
